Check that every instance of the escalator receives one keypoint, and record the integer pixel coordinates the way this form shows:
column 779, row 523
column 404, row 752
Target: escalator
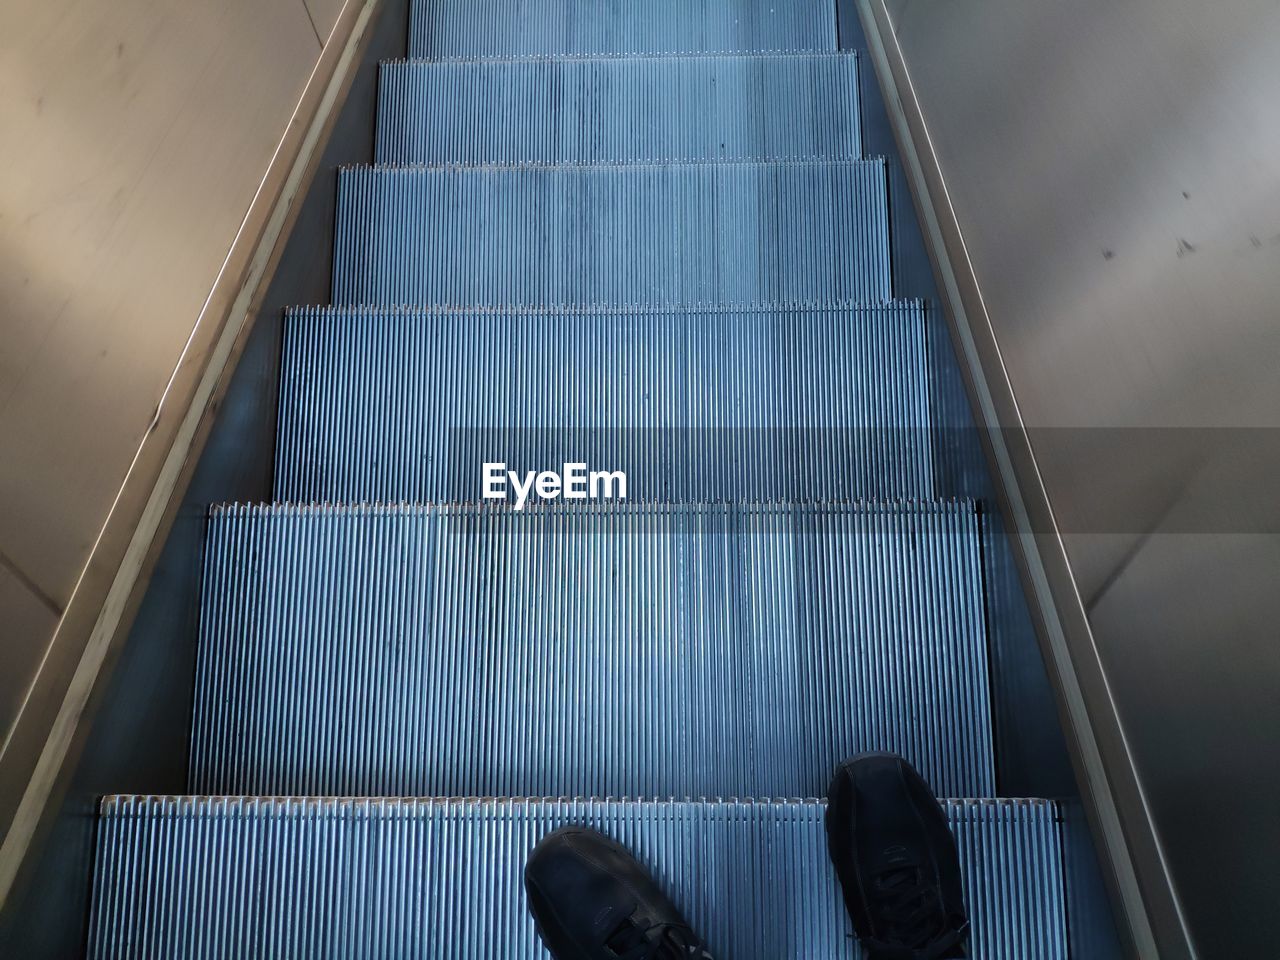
column 644, row 238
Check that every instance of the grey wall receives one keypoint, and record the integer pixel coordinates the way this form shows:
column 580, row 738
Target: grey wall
column 155, row 152
column 139, row 739
column 136, row 134
column 1112, row 171
column 1032, row 759
column 1031, row 754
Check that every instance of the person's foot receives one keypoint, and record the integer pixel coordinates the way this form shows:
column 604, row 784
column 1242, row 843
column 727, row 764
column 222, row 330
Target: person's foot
column 896, row 859
column 591, row 900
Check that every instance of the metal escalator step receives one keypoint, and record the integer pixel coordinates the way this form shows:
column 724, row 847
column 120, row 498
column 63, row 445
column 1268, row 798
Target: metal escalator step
column 446, row 29
column 666, row 234
column 442, row 879
column 770, row 402
column 624, row 650
column 614, row 110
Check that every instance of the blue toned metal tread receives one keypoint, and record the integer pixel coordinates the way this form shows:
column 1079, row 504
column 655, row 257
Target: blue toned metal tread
column 449, row 29
column 634, row 110
column 442, row 879
column 673, row 234
column 593, row 650
column 770, row 402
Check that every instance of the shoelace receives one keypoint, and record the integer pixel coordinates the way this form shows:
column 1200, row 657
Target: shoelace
column 912, row 916
column 674, row 941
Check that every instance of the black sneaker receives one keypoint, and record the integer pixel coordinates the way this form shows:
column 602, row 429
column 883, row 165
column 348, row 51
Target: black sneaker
column 591, row 900
column 896, row 859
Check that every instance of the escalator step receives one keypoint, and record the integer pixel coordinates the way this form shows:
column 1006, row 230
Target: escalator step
column 233, row 878
column 775, row 402
column 449, row 29
column 674, row 234
column 624, row 650
column 649, row 109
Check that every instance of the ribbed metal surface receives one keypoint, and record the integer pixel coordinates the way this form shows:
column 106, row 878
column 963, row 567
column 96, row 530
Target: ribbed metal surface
column 447, row 29
column 597, row 233
column 645, row 109
column 283, row 878
column 668, row 234
column 786, row 402
column 624, row 650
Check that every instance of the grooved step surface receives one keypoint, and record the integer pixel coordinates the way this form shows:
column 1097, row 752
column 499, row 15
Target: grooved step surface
column 612, row 650
column 668, row 234
column 443, row 29
column 649, row 109
column 630, row 235
column 786, row 402
column 442, row 879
